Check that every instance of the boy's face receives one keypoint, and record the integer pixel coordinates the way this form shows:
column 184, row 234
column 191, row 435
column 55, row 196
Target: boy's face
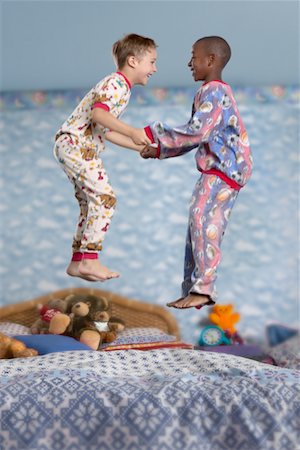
column 145, row 67
column 199, row 62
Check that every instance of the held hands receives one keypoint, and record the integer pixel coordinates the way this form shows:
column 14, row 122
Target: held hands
column 149, row 151
column 139, row 136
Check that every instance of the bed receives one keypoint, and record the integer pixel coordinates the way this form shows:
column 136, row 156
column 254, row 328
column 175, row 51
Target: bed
column 165, row 397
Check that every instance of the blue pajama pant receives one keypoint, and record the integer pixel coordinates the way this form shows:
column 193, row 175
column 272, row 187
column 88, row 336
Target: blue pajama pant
column 210, row 208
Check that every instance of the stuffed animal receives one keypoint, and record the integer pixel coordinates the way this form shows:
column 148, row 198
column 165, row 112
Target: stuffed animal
column 13, row 348
column 47, row 312
column 90, row 323
column 224, row 317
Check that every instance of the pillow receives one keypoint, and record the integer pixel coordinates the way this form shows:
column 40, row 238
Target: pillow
column 144, row 339
column 141, row 336
column 129, row 339
column 51, row 343
column 276, row 333
column 10, row 328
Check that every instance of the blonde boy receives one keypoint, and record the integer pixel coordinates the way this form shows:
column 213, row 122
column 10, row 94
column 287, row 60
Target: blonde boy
column 81, row 140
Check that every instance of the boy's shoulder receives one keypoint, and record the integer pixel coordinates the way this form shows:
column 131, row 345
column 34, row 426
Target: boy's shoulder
column 214, row 86
column 110, row 77
column 213, row 89
column 114, row 79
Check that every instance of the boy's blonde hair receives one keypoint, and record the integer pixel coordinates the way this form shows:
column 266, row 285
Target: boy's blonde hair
column 131, row 45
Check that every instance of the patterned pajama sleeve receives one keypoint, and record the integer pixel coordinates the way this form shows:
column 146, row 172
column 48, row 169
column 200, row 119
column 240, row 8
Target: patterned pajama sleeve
column 182, row 139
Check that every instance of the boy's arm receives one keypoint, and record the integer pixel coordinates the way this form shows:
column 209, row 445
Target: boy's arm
column 107, row 120
column 122, row 141
column 180, row 140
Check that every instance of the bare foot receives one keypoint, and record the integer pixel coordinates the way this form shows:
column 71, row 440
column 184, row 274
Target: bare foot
column 73, row 271
column 191, row 301
column 93, row 268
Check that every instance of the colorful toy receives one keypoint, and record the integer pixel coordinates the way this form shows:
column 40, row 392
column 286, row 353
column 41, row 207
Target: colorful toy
column 223, row 331
column 213, row 335
column 90, row 321
column 47, row 312
column 224, row 317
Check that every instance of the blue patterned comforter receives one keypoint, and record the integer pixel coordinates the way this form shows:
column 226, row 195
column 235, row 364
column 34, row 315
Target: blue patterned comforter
column 138, row 400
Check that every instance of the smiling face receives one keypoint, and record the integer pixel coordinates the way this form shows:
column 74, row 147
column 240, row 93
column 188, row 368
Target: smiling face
column 144, row 66
column 200, row 62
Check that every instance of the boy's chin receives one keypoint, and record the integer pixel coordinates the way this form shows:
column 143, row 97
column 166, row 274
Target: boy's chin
column 143, row 81
column 197, row 77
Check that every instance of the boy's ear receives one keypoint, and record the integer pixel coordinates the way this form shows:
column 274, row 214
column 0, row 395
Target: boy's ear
column 211, row 59
column 131, row 61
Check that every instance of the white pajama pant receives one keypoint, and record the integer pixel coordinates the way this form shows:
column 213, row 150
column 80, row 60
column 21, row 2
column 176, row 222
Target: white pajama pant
column 93, row 192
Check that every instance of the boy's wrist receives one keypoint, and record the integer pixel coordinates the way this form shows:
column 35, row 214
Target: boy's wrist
column 149, row 134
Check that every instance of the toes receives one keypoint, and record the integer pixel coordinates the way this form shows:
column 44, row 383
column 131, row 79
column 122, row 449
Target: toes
column 172, row 305
column 175, row 305
column 113, row 275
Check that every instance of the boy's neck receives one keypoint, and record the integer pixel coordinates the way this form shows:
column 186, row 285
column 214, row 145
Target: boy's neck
column 213, row 76
column 127, row 74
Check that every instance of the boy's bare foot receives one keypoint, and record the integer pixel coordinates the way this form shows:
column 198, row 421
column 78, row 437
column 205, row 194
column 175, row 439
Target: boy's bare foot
column 93, row 268
column 73, row 271
column 191, row 301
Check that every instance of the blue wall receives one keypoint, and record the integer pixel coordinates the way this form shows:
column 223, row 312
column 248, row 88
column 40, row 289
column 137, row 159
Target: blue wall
column 67, row 44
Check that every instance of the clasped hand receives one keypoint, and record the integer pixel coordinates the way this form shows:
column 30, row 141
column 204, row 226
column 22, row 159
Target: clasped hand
column 139, row 137
column 148, row 152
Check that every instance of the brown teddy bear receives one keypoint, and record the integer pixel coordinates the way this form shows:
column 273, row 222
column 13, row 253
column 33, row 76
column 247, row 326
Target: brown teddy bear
column 91, row 322
column 13, row 348
column 47, row 312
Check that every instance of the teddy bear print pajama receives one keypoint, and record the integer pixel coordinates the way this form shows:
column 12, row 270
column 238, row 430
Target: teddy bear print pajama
column 79, row 143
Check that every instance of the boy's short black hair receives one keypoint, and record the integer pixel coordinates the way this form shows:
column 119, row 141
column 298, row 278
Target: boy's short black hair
column 218, row 46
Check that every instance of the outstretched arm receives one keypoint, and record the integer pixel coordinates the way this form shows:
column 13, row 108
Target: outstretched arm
column 123, row 141
column 107, row 120
column 176, row 141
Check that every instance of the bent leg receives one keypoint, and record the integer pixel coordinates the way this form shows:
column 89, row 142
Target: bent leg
column 96, row 201
column 101, row 203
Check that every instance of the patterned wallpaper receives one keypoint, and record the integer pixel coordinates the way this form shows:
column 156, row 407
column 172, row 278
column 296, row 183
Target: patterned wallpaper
column 259, row 269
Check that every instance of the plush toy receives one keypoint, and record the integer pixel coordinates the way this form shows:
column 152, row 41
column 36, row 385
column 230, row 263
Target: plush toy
column 224, row 317
column 90, row 320
column 47, row 312
column 12, row 348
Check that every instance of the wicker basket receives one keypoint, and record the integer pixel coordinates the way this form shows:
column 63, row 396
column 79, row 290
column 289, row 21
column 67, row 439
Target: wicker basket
column 133, row 312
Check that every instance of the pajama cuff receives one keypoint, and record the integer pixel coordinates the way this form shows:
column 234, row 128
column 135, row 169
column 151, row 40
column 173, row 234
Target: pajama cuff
column 149, row 134
column 78, row 256
column 101, row 105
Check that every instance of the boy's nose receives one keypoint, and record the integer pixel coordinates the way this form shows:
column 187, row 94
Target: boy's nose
column 190, row 64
